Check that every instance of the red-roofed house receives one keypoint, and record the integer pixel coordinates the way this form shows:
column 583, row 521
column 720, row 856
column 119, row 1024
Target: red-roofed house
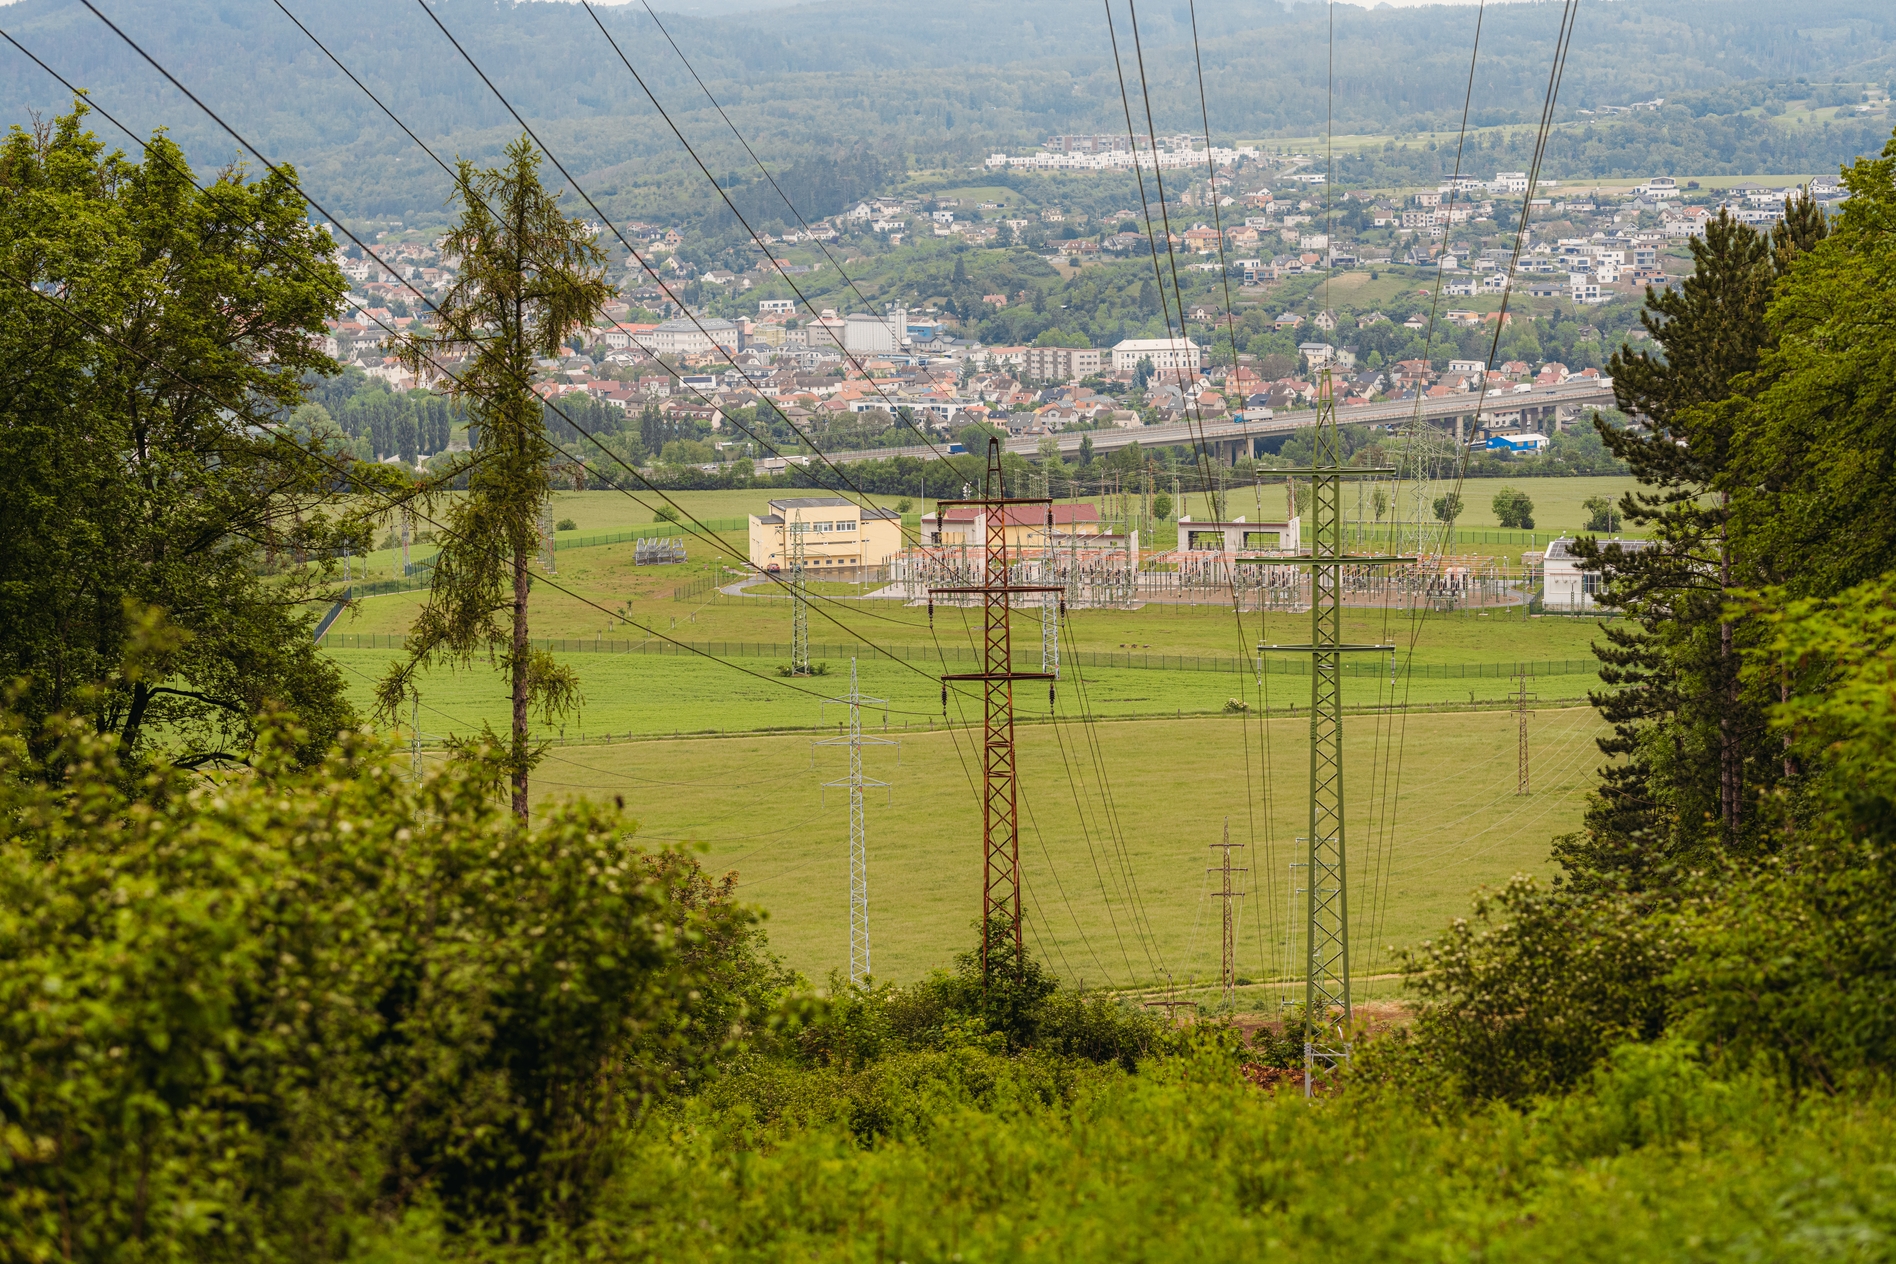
column 1026, row 525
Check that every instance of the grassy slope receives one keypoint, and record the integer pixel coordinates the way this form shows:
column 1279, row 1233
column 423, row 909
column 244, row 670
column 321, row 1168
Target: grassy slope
column 756, row 804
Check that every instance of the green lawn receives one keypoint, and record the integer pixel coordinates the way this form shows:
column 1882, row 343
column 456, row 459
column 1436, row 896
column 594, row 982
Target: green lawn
column 1116, row 887
column 751, row 794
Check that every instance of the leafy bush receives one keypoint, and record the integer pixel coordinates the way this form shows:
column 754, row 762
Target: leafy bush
column 1528, row 995
column 239, row 1017
column 665, row 513
column 566, row 524
column 1602, row 513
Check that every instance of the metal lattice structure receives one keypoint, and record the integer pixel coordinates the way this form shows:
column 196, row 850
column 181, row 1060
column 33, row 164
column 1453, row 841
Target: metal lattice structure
column 1327, row 1010
column 1228, row 957
column 1522, row 698
column 1050, row 635
column 855, row 782
column 1000, row 800
column 799, row 601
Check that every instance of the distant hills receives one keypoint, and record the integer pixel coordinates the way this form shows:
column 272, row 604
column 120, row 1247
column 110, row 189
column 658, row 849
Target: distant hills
column 878, row 85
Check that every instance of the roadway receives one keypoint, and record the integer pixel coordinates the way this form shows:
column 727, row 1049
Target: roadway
column 1533, row 405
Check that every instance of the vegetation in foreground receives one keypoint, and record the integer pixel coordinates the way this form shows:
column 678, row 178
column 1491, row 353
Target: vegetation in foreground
column 263, row 997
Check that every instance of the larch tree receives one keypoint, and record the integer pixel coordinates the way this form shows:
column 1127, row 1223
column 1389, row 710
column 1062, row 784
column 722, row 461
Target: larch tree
column 528, row 277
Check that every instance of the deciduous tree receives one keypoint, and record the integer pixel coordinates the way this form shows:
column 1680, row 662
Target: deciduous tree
column 161, row 530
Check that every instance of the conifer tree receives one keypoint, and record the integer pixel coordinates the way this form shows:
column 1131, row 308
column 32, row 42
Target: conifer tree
column 1690, row 740
column 528, row 277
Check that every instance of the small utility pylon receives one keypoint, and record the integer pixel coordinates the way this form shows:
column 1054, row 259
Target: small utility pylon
column 414, row 730
column 858, row 832
column 799, row 601
column 1521, row 699
column 547, row 534
column 1228, row 973
column 1327, row 942
column 1171, row 1004
column 1000, row 803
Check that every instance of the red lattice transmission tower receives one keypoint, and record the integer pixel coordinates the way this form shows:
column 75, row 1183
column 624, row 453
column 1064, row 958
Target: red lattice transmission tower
column 1000, row 799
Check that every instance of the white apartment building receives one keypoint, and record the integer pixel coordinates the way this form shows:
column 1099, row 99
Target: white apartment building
column 1166, row 354
column 685, row 337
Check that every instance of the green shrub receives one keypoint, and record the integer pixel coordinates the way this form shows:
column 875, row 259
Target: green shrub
column 1527, row 995
column 238, row 1017
column 1513, row 509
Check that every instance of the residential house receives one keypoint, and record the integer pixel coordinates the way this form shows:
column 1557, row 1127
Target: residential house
column 1025, row 526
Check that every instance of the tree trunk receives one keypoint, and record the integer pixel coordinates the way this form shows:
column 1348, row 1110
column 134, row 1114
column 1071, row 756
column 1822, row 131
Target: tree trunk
column 520, row 683
column 1730, row 769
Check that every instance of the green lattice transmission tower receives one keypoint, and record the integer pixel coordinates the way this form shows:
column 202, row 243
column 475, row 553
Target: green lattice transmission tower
column 1327, row 1012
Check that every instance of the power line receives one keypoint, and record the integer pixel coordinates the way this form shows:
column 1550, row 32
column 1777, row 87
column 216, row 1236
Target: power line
column 894, row 410
column 707, row 533
column 1196, row 415
column 606, row 220
column 1556, row 71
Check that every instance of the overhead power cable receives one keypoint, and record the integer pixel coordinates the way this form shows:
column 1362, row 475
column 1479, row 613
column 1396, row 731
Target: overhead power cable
column 894, row 410
column 707, row 534
column 241, row 411
column 1563, row 42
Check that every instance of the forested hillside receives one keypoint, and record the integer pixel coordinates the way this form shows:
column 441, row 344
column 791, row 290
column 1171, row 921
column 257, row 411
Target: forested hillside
column 861, row 89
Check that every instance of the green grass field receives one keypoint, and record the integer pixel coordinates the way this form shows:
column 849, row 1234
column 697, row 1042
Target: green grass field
column 1115, row 877
column 1116, row 882
column 606, row 574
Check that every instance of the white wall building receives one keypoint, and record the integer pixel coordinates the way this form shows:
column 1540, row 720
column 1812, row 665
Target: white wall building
column 1165, row 353
column 1566, row 586
column 684, row 337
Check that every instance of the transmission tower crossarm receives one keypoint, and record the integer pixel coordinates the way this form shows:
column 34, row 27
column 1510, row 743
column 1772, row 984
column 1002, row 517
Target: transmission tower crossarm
column 1000, row 798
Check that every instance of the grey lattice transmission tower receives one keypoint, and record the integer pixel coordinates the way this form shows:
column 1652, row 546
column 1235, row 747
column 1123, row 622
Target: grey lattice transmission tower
column 855, row 782
column 799, row 598
column 1521, row 698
